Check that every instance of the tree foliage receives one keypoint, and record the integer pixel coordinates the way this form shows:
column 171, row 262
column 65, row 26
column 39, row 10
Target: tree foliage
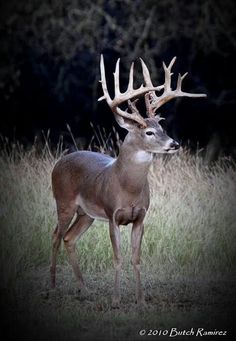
column 62, row 40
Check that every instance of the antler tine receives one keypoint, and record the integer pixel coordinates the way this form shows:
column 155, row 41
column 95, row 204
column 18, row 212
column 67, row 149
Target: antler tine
column 172, row 63
column 103, row 81
column 168, row 74
column 117, row 78
column 150, row 95
column 180, row 93
column 146, row 74
column 147, row 78
column 179, row 81
column 131, row 78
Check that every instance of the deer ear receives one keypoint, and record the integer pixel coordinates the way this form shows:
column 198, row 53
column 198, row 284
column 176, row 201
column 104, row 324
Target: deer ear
column 127, row 123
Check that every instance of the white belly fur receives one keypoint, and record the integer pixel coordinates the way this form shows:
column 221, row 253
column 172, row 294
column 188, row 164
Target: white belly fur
column 91, row 210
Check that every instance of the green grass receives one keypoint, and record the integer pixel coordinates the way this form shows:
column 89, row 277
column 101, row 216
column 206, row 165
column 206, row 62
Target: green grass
column 190, row 237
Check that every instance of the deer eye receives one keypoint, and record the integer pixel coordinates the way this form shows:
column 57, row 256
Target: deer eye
column 149, row 133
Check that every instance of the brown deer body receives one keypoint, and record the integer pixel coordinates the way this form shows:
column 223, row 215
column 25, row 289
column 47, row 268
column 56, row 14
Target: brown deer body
column 95, row 186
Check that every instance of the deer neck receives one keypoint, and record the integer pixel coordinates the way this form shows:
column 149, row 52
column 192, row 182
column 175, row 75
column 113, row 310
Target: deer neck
column 132, row 166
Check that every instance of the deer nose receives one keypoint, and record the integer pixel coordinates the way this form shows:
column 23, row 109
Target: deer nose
column 174, row 145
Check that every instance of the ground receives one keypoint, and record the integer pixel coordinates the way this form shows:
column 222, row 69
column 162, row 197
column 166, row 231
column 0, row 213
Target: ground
column 63, row 314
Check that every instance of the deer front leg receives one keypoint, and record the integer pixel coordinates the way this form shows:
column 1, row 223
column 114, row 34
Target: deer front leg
column 115, row 241
column 136, row 240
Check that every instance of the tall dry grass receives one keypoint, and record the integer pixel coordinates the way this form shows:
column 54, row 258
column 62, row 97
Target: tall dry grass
column 190, row 229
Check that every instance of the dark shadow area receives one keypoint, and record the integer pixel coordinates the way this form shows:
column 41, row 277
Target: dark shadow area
column 49, row 87
column 40, row 313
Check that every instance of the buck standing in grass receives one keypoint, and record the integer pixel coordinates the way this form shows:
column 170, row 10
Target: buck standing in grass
column 96, row 186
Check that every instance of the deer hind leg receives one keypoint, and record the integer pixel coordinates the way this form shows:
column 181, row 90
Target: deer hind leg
column 115, row 240
column 65, row 215
column 81, row 224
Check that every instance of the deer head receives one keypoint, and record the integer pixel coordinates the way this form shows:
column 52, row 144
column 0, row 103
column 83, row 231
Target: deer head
column 146, row 133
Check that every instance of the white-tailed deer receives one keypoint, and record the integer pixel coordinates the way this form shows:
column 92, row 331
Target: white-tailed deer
column 96, row 186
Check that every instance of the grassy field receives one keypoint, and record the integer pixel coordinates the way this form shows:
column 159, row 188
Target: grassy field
column 188, row 254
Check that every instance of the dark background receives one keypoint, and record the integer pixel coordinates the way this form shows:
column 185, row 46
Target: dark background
column 49, row 66
column 49, row 70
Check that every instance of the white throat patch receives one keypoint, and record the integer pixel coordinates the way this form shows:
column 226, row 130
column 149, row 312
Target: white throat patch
column 141, row 156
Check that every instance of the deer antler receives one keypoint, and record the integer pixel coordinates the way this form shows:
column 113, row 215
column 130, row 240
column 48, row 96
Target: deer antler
column 153, row 102
column 126, row 96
